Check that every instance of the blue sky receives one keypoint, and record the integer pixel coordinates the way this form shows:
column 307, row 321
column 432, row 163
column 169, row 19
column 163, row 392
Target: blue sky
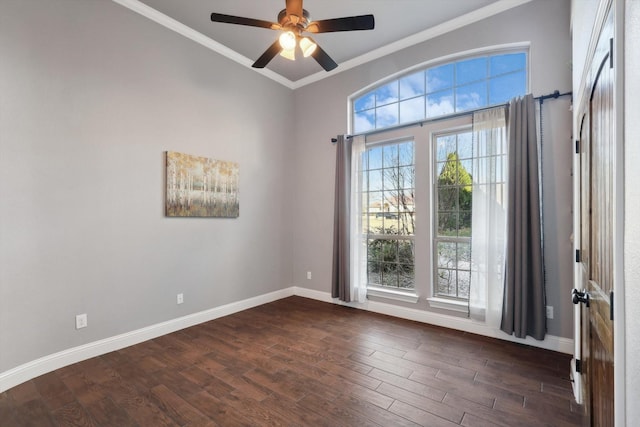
column 461, row 86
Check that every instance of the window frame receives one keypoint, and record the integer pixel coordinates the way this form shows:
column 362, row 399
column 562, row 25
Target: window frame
column 488, row 53
column 423, row 131
column 436, row 239
column 404, row 294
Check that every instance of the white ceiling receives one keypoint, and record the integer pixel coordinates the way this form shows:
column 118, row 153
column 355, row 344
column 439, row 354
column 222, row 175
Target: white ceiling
column 398, row 24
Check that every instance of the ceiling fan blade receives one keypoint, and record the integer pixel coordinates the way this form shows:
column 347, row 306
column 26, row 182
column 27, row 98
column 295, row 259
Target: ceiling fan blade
column 268, row 55
column 230, row 19
column 324, row 59
column 294, row 7
column 351, row 23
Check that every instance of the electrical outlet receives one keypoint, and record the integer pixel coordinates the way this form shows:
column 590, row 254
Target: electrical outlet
column 549, row 312
column 81, row 321
column 180, row 299
column 308, row 275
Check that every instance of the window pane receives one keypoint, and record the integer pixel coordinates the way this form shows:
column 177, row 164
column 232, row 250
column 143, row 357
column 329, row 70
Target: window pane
column 446, row 255
column 374, row 251
column 391, row 203
column 464, row 282
column 390, row 276
column 407, row 277
column 446, row 282
column 391, row 214
column 365, row 102
column 364, row 121
column 373, row 273
column 389, row 252
column 390, row 181
column 440, row 103
column 464, row 229
column 471, row 70
column 464, row 173
column 412, row 86
column 471, row 96
column 375, row 180
column 375, row 158
column 387, row 116
column 387, row 94
column 405, row 179
column 406, row 223
column 391, row 225
column 449, row 173
column 464, row 256
column 445, row 146
column 375, row 202
column 442, row 90
column 448, row 199
column 405, row 151
column 390, row 156
column 503, row 89
column 439, row 78
column 447, row 224
column 465, row 146
column 365, row 222
column 501, row 64
column 406, row 274
column 412, row 110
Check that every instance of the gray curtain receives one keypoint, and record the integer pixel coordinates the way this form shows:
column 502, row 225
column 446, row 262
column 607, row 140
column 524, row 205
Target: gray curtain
column 340, row 286
column 523, row 310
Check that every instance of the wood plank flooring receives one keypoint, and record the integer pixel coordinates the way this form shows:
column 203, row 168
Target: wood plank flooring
column 299, row 362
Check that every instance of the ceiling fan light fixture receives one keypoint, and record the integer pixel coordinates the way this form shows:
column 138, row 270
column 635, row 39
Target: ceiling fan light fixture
column 288, row 40
column 293, row 21
column 307, row 46
column 290, row 54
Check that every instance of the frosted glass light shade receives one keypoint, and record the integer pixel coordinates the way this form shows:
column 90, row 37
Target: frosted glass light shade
column 307, row 46
column 288, row 40
column 289, row 53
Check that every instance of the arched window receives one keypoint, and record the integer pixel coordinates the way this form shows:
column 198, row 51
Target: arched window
column 416, row 184
column 441, row 90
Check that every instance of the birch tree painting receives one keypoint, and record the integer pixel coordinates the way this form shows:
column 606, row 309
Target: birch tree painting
column 201, row 187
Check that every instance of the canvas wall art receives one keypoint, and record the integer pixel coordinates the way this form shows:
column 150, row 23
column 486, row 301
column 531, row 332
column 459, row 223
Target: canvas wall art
column 201, row 187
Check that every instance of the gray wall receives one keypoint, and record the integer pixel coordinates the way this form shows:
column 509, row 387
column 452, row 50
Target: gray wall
column 91, row 96
column 322, row 113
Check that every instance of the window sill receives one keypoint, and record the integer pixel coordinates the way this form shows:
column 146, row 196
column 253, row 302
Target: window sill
column 392, row 294
column 447, row 304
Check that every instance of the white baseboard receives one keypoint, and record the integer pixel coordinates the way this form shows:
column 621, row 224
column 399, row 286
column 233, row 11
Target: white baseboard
column 35, row 368
column 551, row 342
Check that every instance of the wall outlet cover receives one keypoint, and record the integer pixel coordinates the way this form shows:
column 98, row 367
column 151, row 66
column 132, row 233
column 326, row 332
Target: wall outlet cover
column 81, row 321
column 549, row 312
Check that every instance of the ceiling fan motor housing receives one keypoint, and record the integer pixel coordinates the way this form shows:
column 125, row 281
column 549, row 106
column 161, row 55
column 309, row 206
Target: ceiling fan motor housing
column 294, row 22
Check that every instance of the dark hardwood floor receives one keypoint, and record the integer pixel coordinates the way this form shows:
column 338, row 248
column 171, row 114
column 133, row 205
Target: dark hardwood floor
column 299, row 362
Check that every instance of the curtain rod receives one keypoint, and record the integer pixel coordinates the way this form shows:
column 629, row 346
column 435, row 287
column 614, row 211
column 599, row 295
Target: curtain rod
column 555, row 95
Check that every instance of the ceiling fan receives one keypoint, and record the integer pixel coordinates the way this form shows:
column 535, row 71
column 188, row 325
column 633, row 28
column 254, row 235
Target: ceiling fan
column 293, row 21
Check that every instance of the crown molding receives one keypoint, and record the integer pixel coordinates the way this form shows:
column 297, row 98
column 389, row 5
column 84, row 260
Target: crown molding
column 428, row 34
column 196, row 36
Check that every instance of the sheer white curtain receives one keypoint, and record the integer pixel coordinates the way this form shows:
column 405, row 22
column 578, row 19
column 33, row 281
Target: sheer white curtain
column 488, row 223
column 358, row 247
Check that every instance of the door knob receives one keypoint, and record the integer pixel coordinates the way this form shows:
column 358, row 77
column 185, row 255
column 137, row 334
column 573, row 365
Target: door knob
column 578, row 297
